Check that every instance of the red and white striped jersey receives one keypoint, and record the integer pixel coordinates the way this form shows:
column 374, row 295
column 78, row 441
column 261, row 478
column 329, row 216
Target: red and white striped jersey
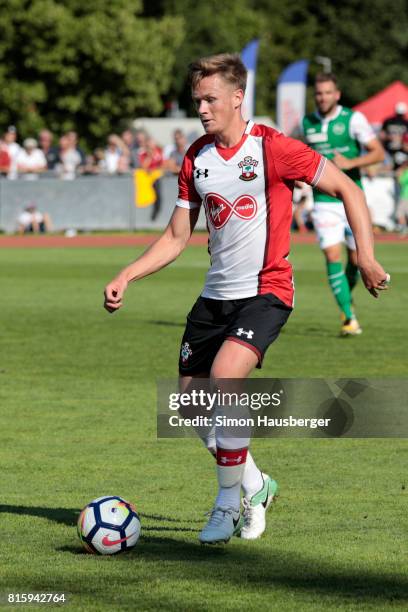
column 247, row 194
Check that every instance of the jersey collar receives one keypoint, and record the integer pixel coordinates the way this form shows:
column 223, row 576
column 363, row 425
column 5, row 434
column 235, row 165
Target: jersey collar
column 249, row 127
column 228, row 153
column 339, row 108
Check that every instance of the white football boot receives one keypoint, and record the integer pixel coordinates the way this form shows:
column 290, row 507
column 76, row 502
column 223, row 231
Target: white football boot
column 255, row 509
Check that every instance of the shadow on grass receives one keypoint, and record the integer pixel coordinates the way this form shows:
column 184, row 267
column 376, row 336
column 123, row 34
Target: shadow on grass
column 306, row 332
column 167, row 323
column 65, row 516
column 261, row 570
column 69, row 516
column 160, row 517
column 243, row 563
column 171, row 529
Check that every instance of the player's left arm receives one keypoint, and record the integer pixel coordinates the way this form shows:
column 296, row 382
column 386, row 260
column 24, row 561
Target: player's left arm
column 337, row 184
column 375, row 154
column 362, row 131
column 295, row 161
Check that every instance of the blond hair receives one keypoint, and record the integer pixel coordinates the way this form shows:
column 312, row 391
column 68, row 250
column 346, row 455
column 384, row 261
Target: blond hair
column 227, row 65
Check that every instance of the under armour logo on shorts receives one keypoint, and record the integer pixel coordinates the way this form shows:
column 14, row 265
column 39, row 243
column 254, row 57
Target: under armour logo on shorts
column 248, row 334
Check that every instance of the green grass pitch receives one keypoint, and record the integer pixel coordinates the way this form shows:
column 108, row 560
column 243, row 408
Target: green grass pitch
column 77, row 420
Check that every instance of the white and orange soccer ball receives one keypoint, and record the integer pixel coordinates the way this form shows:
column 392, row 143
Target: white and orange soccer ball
column 108, row 525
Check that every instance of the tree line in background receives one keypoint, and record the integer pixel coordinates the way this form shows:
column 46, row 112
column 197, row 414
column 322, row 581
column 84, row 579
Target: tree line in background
column 90, row 66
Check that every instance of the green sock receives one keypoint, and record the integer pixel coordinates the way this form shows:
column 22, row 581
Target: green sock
column 340, row 287
column 352, row 274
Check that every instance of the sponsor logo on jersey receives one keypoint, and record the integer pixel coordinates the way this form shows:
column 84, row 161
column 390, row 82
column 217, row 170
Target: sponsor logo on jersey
column 185, row 352
column 339, row 129
column 316, row 138
column 247, row 166
column 201, row 173
column 220, row 210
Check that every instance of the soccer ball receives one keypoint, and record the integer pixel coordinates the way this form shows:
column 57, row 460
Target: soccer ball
column 108, row 525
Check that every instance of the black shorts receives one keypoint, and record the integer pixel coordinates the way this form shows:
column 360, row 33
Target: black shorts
column 254, row 322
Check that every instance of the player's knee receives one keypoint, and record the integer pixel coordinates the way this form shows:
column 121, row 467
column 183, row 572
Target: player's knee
column 332, row 255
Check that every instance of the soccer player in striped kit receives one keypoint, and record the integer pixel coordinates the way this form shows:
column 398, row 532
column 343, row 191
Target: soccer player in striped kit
column 243, row 174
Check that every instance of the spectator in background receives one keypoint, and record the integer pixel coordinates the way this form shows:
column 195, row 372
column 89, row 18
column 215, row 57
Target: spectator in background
column 32, row 221
column 13, row 149
column 90, row 167
column 151, row 159
column 45, row 138
column 99, row 157
column 117, row 156
column 139, row 148
column 5, row 159
column 73, row 141
column 69, row 158
column 128, row 139
column 174, row 155
column 31, row 160
column 402, row 177
column 392, row 133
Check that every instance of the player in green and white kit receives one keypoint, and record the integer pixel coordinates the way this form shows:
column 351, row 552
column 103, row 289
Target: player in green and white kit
column 339, row 133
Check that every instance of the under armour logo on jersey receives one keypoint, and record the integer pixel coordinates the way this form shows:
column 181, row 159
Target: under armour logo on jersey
column 248, row 334
column 220, row 210
column 199, row 173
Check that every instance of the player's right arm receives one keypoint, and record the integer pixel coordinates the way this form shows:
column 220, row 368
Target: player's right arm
column 162, row 252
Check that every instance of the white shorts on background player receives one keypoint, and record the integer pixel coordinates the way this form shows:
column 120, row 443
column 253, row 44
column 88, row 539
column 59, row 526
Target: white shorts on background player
column 331, row 225
column 330, row 219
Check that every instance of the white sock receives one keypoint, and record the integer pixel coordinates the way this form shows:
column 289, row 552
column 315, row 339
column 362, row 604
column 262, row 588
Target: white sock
column 252, row 480
column 231, row 457
column 209, row 441
column 230, row 469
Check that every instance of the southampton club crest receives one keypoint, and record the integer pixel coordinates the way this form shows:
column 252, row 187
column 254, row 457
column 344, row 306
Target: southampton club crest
column 247, row 166
column 186, row 352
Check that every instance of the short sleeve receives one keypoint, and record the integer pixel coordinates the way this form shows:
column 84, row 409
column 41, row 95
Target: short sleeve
column 187, row 193
column 360, row 129
column 296, row 161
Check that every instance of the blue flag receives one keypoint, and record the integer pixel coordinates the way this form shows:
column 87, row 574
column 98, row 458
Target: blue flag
column 291, row 96
column 249, row 56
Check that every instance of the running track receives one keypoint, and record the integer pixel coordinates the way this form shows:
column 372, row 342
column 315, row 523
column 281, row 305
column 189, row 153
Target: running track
column 132, row 240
